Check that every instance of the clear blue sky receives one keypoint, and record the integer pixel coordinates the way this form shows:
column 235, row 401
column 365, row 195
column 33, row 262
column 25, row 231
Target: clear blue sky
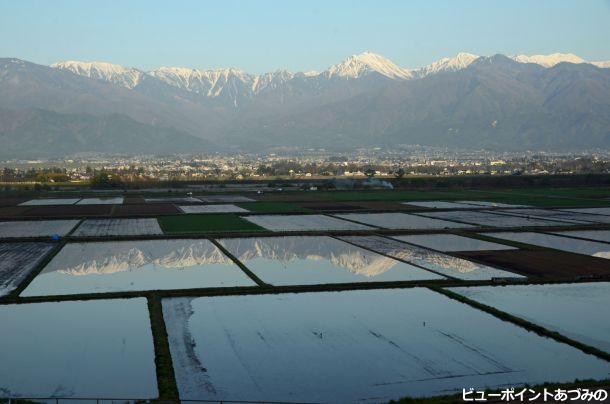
column 266, row 35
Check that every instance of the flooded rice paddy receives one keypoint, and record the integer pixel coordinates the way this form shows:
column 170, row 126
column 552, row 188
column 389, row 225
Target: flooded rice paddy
column 438, row 262
column 17, row 261
column 98, row 348
column 593, row 248
column 452, row 242
column 592, row 211
column 559, row 307
column 339, row 348
column 318, row 260
column 492, row 220
column 597, row 235
column 353, row 332
column 118, row 227
column 116, row 266
column 571, row 217
column 50, row 201
column 36, row 228
column 101, row 201
column 401, row 221
column 489, row 204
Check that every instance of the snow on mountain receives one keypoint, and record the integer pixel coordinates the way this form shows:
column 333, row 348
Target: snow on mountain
column 235, row 85
column 289, row 250
column 357, row 66
column 548, row 60
column 270, row 81
column 206, row 82
column 602, row 65
column 123, row 76
column 460, row 61
column 133, row 256
column 185, row 254
column 232, row 83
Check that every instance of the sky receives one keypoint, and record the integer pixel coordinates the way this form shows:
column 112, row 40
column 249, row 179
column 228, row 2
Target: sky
column 267, row 35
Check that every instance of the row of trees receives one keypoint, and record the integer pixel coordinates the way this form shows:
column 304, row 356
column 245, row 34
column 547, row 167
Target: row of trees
column 51, row 174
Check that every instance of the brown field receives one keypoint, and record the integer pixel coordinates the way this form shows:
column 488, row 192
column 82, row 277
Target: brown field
column 145, row 209
column 10, row 211
column 12, row 201
column 280, row 197
column 329, row 206
column 545, row 264
column 384, row 205
column 133, row 200
column 60, row 211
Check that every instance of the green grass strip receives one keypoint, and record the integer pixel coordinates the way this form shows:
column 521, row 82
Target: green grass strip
column 166, row 379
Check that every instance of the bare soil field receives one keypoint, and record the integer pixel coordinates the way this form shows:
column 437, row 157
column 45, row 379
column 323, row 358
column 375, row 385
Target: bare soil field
column 145, row 210
column 133, row 200
column 384, row 205
column 12, row 211
column 216, row 208
column 68, row 211
column 544, row 264
column 329, row 206
column 12, row 201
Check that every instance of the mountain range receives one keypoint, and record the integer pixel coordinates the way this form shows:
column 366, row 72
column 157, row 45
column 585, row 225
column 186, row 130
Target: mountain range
column 540, row 102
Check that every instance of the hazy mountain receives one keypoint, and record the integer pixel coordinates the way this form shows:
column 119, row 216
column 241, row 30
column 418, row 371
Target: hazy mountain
column 495, row 102
column 28, row 85
column 602, row 64
column 36, row 133
column 555, row 101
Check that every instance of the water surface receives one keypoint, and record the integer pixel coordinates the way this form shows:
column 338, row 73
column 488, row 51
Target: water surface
column 97, row 348
column 452, row 242
column 592, row 248
column 576, row 310
column 354, row 346
column 117, row 266
column 318, row 260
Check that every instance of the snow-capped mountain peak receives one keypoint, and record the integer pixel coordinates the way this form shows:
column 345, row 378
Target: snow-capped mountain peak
column 548, row 60
column 117, row 74
column 270, row 80
column 602, row 64
column 365, row 63
column 179, row 75
column 211, row 83
column 458, row 62
column 236, row 85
